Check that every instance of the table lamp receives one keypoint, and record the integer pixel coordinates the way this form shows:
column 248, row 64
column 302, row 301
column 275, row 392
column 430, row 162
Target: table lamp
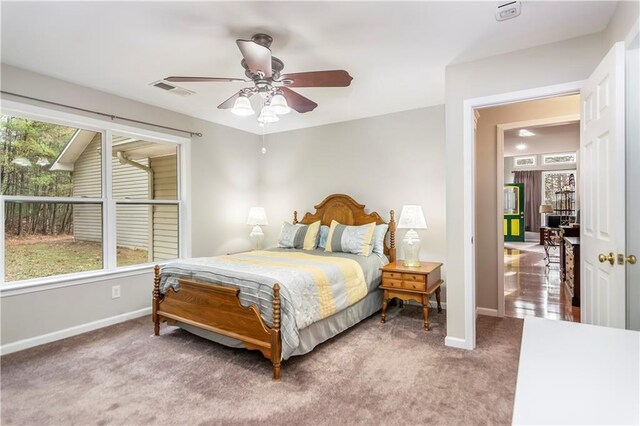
column 545, row 209
column 411, row 218
column 257, row 216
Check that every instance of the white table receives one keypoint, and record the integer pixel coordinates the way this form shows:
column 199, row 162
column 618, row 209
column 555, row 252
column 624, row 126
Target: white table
column 572, row 373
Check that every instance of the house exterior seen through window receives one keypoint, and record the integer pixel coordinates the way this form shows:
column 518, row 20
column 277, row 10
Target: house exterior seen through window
column 57, row 197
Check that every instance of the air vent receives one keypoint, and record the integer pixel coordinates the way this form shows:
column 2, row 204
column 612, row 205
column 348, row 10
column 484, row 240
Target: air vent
column 164, row 85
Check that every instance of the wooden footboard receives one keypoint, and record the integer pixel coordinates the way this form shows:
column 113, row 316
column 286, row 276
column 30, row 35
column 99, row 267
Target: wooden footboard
column 216, row 308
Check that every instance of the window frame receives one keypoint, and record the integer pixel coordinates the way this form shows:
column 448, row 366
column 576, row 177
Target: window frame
column 521, row 157
column 560, row 154
column 109, row 233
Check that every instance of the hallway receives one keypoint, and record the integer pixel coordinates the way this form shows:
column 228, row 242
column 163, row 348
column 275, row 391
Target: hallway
column 532, row 289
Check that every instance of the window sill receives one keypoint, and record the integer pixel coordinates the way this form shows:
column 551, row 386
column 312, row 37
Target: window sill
column 49, row 283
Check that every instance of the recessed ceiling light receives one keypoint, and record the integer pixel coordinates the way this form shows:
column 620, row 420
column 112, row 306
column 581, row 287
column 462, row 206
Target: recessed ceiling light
column 521, row 146
column 525, row 133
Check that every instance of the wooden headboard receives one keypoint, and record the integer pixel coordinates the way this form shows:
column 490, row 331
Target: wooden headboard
column 347, row 211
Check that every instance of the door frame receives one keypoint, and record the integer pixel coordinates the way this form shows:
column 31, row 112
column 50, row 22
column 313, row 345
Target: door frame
column 468, row 149
column 501, row 128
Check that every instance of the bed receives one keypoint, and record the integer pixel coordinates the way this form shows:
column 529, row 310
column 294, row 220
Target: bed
column 281, row 302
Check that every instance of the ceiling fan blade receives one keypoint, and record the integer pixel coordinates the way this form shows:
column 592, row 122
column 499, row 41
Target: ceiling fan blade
column 297, row 101
column 258, row 57
column 182, row 79
column 229, row 102
column 333, row 78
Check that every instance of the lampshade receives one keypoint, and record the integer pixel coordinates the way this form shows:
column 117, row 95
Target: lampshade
column 267, row 115
column 546, row 208
column 242, row 106
column 279, row 105
column 257, row 216
column 412, row 217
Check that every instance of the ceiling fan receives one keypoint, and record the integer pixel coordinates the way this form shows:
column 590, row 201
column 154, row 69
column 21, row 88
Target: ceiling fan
column 264, row 71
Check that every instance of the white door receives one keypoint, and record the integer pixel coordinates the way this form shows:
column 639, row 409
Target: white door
column 602, row 161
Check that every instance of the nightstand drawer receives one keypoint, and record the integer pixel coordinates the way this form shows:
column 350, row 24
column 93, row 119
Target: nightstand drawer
column 392, row 275
column 413, row 285
column 413, row 277
column 386, row 282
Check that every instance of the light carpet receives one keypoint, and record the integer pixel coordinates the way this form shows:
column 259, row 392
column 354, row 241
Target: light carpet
column 393, row 373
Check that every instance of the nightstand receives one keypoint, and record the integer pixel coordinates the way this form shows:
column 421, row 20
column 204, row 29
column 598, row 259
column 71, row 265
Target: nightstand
column 411, row 283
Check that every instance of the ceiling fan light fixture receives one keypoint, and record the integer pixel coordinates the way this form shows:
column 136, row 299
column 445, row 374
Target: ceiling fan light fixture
column 267, row 115
column 242, row 106
column 279, row 105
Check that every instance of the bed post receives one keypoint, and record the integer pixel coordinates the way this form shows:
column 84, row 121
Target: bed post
column 392, row 238
column 156, row 300
column 276, row 343
column 295, row 217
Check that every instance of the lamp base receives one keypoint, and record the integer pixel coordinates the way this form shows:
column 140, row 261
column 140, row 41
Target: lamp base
column 257, row 237
column 411, row 248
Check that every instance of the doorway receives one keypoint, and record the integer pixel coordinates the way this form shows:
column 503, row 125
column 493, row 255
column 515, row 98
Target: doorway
column 534, row 146
column 602, row 142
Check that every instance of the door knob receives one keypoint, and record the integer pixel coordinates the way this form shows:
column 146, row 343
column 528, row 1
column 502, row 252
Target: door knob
column 604, row 258
column 631, row 259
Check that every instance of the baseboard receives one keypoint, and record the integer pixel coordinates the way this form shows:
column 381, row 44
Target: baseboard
column 71, row 331
column 486, row 311
column 456, row 342
column 434, row 304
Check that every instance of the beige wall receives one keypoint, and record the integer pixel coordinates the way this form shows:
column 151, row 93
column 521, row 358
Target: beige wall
column 383, row 162
column 486, row 210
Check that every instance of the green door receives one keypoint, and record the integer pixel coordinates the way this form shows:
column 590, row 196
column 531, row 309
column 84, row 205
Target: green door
column 514, row 212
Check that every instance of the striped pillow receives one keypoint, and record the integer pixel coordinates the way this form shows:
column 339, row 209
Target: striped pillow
column 378, row 238
column 350, row 239
column 299, row 236
column 322, row 239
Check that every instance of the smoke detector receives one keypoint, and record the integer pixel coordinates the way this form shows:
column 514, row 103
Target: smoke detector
column 170, row 87
column 508, row 10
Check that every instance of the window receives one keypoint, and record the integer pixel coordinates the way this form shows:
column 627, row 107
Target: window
column 556, row 181
column 524, row 161
column 145, row 188
column 567, row 158
column 52, row 212
column 69, row 208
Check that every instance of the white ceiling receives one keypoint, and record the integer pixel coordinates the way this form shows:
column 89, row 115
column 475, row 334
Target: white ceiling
column 547, row 139
column 396, row 52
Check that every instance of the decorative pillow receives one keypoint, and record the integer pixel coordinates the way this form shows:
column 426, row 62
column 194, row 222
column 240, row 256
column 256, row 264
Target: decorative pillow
column 299, row 236
column 378, row 238
column 322, row 239
column 350, row 239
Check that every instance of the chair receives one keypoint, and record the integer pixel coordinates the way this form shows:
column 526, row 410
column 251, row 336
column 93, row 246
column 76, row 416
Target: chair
column 552, row 238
